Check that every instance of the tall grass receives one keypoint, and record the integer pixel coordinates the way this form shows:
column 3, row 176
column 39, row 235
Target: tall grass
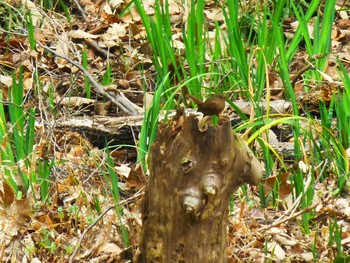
column 239, row 60
column 17, row 136
column 113, row 179
column 150, row 124
column 159, row 36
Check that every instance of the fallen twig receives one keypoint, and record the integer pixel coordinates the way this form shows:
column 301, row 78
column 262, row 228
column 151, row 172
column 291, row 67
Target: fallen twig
column 71, row 259
column 120, row 101
column 81, row 10
column 279, row 222
column 282, row 220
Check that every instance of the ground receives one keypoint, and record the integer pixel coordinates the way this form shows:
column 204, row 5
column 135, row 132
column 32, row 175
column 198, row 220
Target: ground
column 77, row 217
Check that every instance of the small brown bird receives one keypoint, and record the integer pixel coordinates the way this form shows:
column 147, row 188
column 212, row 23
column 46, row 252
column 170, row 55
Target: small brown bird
column 212, row 106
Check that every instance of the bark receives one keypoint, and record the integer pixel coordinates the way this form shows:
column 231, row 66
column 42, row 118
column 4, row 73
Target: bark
column 193, row 172
column 123, row 130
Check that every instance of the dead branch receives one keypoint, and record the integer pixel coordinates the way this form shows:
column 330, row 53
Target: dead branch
column 120, row 101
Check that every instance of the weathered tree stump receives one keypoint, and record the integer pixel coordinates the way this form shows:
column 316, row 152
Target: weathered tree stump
column 193, row 171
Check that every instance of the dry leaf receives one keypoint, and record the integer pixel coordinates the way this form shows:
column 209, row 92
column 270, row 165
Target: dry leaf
column 81, row 34
column 76, row 101
column 6, row 80
column 7, row 195
column 276, row 250
column 114, row 34
column 34, row 11
column 110, row 248
column 123, row 170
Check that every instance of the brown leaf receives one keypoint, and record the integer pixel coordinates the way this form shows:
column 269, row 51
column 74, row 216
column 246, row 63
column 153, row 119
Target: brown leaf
column 81, row 34
column 284, row 187
column 343, row 24
column 7, row 195
column 136, row 178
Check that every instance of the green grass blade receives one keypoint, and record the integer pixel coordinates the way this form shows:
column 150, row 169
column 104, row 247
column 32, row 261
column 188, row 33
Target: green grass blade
column 294, row 44
column 116, row 195
column 17, row 115
column 326, row 31
column 30, row 132
column 44, row 169
column 31, row 30
column 86, row 79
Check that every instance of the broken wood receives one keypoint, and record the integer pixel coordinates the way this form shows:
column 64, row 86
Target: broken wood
column 118, row 98
column 123, row 130
column 193, row 172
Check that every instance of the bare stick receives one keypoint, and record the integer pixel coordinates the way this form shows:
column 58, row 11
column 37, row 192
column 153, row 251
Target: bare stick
column 282, row 220
column 279, row 222
column 71, row 259
column 121, row 101
column 80, row 9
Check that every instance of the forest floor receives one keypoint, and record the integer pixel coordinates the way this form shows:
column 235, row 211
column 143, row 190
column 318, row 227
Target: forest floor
column 79, row 214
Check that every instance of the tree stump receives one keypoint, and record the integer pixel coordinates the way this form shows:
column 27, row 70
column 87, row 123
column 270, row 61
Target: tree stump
column 193, row 172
